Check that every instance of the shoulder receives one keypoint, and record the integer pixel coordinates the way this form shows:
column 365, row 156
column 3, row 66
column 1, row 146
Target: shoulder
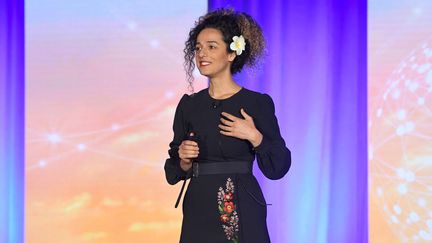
column 262, row 103
column 184, row 99
column 200, row 94
column 184, row 102
column 188, row 99
column 258, row 97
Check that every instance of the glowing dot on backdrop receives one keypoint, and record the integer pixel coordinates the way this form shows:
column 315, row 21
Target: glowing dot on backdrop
column 401, row 153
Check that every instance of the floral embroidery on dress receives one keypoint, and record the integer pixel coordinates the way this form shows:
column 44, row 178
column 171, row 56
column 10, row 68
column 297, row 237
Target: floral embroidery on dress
column 227, row 210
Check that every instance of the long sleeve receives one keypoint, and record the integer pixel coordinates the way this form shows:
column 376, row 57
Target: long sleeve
column 273, row 157
column 173, row 171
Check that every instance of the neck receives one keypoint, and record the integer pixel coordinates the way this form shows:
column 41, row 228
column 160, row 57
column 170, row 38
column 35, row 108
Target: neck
column 220, row 86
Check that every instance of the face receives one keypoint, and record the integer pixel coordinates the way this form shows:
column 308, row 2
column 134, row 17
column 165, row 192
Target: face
column 211, row 54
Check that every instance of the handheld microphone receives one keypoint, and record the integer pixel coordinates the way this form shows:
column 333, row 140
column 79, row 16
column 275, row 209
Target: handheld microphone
column 190, row 172
column 192, row 138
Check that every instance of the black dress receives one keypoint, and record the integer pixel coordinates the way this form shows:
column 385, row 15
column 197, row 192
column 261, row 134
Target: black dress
column 226, row 208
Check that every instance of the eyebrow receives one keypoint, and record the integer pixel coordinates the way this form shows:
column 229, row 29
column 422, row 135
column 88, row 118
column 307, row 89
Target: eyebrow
column 209, row 42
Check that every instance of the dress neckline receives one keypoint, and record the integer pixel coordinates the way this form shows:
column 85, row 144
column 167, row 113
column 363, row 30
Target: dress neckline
column 235, row 94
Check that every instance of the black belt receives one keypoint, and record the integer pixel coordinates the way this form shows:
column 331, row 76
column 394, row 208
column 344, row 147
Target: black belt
column 241, row 167
column 215, row 168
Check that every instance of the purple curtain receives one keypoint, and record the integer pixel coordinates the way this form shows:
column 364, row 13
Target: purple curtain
column 316, row 72
column 12, row 121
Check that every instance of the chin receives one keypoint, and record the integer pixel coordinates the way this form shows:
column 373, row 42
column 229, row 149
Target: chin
column 203, row 73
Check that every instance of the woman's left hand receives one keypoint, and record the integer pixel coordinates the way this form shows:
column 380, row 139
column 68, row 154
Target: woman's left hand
column 240, row 128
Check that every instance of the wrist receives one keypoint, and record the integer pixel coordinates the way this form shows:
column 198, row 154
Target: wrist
column 256, row 139
column 184, row 165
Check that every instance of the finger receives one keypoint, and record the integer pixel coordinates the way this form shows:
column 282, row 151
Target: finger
column 229, row 116
column 225, row 128
column 188, row 154
column 191, row 154
column 190, row 142
column 244, row 114
column 187, row 161
column 226, row 133
column 226, row 122
column 190, row 147
column 188, row 157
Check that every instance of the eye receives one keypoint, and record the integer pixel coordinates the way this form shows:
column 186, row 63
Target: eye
column 212, row 47
column 197, row 48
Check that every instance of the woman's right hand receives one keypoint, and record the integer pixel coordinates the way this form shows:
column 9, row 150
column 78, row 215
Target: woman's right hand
column 188, row 150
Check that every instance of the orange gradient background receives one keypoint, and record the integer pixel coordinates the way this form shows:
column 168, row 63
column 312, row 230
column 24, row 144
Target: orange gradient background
column 400, row 118
column 103, row 82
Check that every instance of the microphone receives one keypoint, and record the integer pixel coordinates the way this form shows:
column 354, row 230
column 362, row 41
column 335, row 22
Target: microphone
column 216, row 104
column 190, row 172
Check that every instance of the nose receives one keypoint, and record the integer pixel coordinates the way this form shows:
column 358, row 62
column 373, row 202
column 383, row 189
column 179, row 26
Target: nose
column 202, row 53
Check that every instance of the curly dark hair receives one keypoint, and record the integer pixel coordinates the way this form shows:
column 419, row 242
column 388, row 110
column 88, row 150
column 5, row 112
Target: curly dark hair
column 230, row 23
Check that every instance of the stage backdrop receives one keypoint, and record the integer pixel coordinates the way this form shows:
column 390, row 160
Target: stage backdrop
column 104, row 78
column 11, row 120
column 400, row 121
column 103, row 81
column 316, row 73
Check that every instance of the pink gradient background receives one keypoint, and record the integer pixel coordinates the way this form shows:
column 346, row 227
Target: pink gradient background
column 400, row 196
column 103, row 82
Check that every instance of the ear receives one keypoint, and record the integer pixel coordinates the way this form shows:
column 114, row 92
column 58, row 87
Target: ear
column 231, row 56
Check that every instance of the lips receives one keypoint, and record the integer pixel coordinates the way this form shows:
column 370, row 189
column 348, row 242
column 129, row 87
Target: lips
column 204, row 63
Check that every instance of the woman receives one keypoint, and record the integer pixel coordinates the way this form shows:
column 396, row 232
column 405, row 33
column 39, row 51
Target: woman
column 219, row 131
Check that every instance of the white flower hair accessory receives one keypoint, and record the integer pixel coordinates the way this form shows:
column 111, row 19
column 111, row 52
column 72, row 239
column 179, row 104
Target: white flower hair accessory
column 238, row 45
